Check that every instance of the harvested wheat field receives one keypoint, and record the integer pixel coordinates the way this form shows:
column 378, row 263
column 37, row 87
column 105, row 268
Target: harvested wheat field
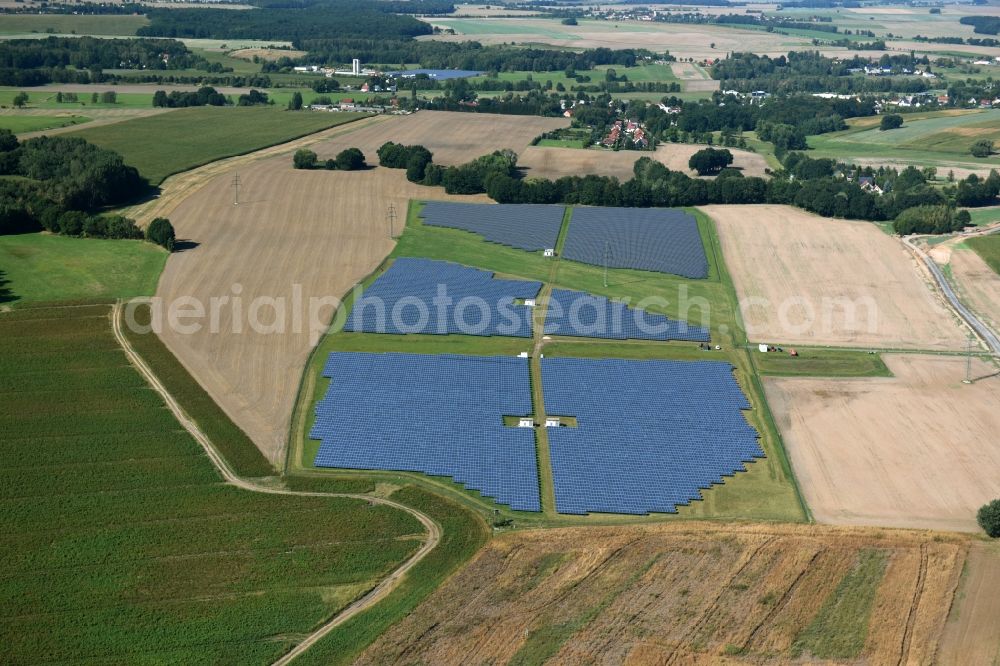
column 295, row 236
column 683, row 39
column 806, row 279
column 914, row 450
column 977, row 284
column 972, row 635
column 686, row 594
column 552, row 163
column 452, row 136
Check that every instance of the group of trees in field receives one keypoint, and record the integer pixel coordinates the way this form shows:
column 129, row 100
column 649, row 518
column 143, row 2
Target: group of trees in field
column 982, row 148
column 988, row 518
column 890, row 121
column 414, row 159
column 204, row 96
column 983, row 25
column 710, row 160
column 349, row 159
column 936, row 219
column 63, row 183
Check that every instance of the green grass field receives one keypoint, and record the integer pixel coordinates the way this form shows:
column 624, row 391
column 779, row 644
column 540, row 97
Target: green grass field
column 45, row 98
column 95, row 24
column 562, row 143
column 31, row 123
column 813, row 362
column 938, row 138
column 162, row 145
column 766, row 491
column 987, row 247
column 984, row 216
column 41, row 268
column 120, row 543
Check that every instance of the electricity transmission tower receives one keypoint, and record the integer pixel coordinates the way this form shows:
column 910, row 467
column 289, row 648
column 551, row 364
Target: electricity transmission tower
column 390, row 217
column 968, row 361
column 236, row 189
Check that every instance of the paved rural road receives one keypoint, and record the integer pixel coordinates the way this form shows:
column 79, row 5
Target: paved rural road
column 987, row 334
column 377, row 593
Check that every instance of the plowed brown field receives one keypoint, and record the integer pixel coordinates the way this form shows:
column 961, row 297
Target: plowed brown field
column 682, row 594
column 914, row 450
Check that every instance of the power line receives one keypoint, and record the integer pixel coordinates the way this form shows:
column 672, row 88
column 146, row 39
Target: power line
column 236, row 189
column 391, row 219
column 968, row 361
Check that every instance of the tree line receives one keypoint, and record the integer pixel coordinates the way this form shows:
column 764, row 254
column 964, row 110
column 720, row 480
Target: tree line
column 817, row 185
column 287, row 21
column 810, row 71
column 26, row 62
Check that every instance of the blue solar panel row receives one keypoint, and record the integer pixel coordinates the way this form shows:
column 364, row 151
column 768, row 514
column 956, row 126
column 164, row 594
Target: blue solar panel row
column 650, row 239
column 650, row 435
column 578, row 314
column 524, row 226
column 408, row 298
column 440, row 415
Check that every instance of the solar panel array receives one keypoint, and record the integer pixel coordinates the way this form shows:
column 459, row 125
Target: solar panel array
column 440, row 415
column 650, row 435
column 651, row 239
column 524, row 226
column 405, row 299
column 578, row 314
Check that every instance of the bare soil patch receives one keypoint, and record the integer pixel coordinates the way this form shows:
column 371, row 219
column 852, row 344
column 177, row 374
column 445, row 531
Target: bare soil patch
column 683, row 594
column 806, row 279
column 914, row 450
column 552, row 163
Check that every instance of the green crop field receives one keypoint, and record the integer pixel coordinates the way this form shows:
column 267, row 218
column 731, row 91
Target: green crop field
column 766, row 491
column 96, row 24
column 933, row 136
column 162, row 145
column 121, row 544
column 31, row 123
column 41, row 268
column 987, row 247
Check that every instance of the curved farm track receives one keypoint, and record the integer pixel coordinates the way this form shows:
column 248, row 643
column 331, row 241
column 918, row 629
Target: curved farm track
column 377, row 593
